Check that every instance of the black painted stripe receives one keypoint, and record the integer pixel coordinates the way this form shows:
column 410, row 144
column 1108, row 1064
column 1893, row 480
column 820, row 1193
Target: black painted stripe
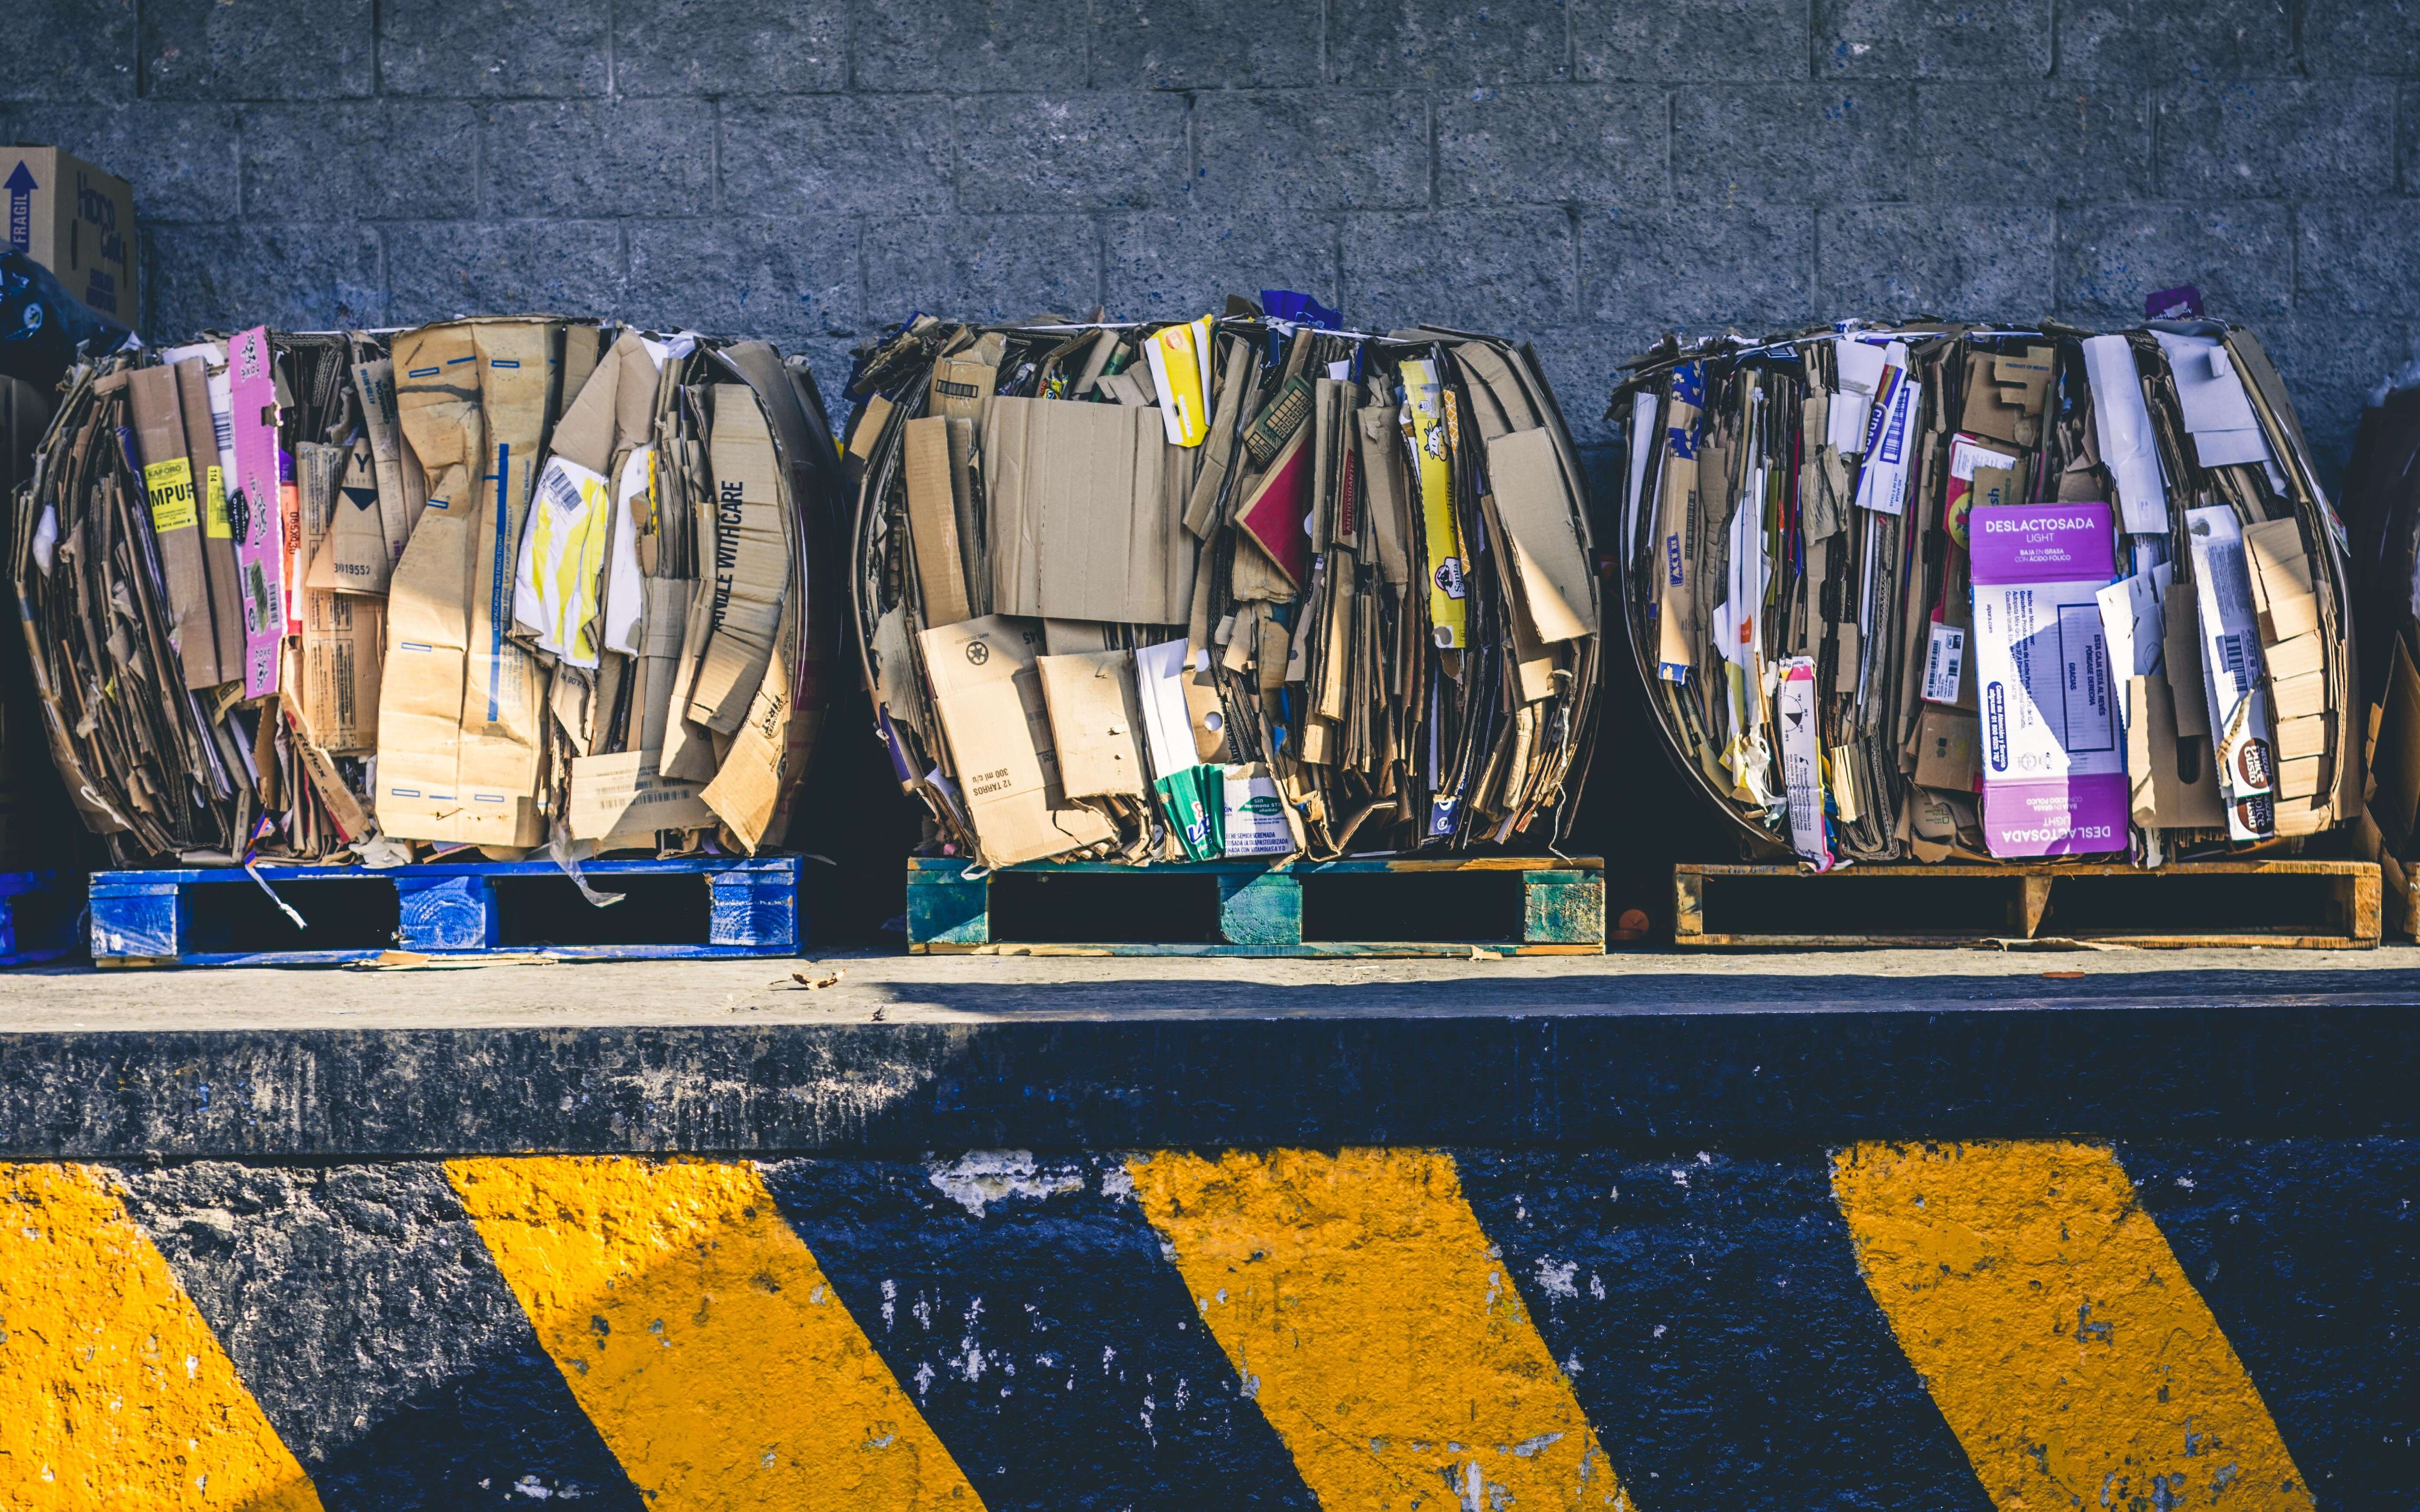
column 2308, row 1255
column 365, row 1317
column 1708, row 1312
column 1044, row 1338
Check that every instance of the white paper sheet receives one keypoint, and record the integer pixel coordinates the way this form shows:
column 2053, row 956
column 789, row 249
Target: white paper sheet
column 2124, row 428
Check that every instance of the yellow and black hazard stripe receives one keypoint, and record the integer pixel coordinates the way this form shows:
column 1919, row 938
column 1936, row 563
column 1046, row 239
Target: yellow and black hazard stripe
column 1988, row 1325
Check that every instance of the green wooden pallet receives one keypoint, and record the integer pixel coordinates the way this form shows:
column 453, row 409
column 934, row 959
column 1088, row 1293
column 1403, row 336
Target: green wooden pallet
column 1509, row 905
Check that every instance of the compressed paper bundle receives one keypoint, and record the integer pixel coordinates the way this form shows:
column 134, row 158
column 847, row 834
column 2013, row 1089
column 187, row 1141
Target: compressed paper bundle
column 1940, row 592
column 1247, row 586
column 496, row 582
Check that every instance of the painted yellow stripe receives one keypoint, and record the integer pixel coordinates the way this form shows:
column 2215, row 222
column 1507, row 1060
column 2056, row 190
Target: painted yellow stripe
column 701, row 1338
column 1364, row 1308
column 2063, row 1342
column 113, row 1391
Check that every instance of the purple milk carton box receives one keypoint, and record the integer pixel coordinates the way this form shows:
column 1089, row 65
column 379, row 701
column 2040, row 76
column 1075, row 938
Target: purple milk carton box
column 2054, row 761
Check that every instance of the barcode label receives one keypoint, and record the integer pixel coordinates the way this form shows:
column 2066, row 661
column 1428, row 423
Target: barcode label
column 1944, row 660
column 2231, row 655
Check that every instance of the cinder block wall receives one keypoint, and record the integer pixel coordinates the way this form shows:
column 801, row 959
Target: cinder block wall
column 1584, row 174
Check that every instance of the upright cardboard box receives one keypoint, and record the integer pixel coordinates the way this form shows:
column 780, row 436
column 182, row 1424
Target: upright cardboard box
column 76, row 220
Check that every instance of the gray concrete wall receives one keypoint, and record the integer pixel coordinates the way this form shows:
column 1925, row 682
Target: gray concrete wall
column 1584, row 174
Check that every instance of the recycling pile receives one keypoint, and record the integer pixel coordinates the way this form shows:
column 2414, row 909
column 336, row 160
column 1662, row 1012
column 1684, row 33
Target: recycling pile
column 1949, row 591
column 1248, row 585
column 499, row 584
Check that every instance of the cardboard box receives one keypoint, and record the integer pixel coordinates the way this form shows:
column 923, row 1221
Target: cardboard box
column 176, row 509
column 1084, row 524
column 988, row 692
column 2054, row 770
column 750, row 564
column 621, row 802
column 933, row 522
column 1948, row 751
column 1096, row 722
column 78, row 222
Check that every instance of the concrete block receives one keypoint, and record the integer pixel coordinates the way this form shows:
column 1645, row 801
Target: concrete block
column 180, row 158
column 1697, row 272
column 1555, row 146
column 1731, row 40
column 1089, row 151
column 1795, row 144
column 1509, row 272
column 1387, row 44
column 981, row 267
column 1959, row 262
column 2148, row 40
column 71, row 49
column 2353, row 258
column 256, row 50
column 840, row 154
column 378, row 160
column 1311, row 151
column 224, row 276
column 2273, row 137
column 513, row 48
column 2342, row 36
column 1203, row 44
column 972, row 44
column 2038, row 144
column 440, row 269
column 1931, row 40
column 730, row 47
column 607, row 159
column 2111, row 256
column 782, row 279
column 1174, row 266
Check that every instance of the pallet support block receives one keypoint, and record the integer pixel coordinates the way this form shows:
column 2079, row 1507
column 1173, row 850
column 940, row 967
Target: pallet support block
column 1264, row 909
column 446, row 913
column 1261, row 907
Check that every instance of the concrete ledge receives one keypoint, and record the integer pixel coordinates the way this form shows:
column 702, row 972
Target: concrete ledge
column 1014, row 1234
column 1513, row 1077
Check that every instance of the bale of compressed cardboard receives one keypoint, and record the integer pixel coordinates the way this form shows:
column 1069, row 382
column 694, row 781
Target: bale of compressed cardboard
column 496, row 583
column 1985, row 593
column 1232, row 586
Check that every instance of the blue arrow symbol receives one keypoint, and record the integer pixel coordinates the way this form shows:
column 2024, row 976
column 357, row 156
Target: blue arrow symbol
column 21, row 187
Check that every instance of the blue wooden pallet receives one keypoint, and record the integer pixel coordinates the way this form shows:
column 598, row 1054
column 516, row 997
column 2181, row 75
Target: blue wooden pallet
column 37, row 916
column 454, row 908
column 1259, row 909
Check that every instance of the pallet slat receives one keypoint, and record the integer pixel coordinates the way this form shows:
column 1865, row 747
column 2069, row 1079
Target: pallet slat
column 2319, row 904
column 1260, row 908
column 750, row 908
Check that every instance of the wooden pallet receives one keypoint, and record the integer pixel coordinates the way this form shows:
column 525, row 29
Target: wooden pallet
column 2294, row 905
column 1509, row 905
column 37, row 916
column 689, row 908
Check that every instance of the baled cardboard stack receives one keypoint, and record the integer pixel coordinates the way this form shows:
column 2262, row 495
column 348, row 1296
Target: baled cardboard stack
column 1977, row 592
column 498, row 583
column 1243, row 586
